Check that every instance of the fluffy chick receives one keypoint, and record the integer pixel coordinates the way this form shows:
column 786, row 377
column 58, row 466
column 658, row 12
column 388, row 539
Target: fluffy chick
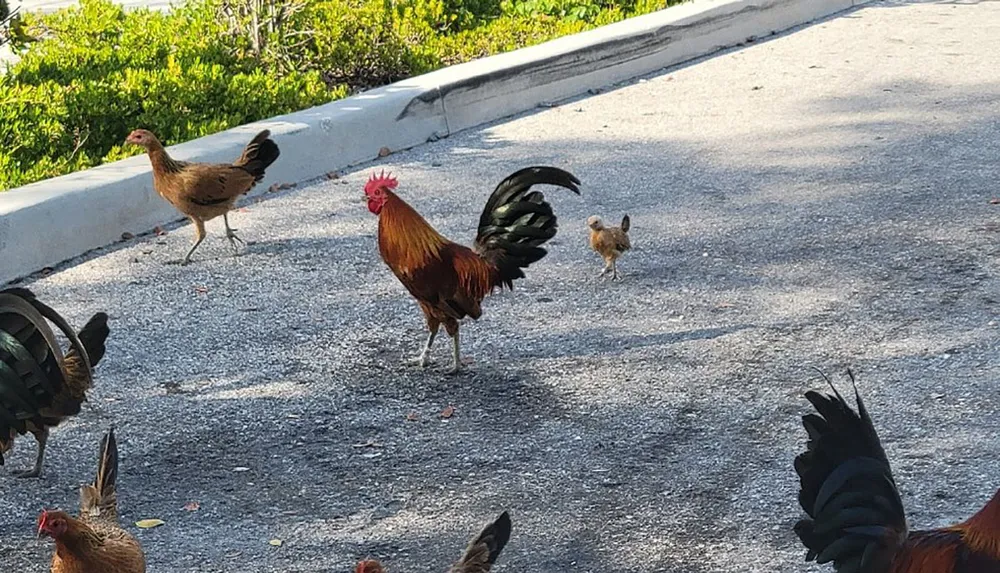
column 609, row 242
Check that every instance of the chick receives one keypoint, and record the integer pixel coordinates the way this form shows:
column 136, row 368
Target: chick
column 609, row 242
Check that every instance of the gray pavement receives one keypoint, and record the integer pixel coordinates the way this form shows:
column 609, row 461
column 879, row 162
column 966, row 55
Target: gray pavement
column 821, row 199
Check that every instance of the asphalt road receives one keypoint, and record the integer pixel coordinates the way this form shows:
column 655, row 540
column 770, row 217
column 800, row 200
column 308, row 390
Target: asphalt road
column 821, row 199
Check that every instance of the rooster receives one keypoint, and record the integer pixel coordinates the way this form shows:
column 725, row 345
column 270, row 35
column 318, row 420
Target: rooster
column 609, row 242
column 479, row 556
column 39, row 387
column 449, row 280
column 856, row 516
column 204, row 191
column 94, row 542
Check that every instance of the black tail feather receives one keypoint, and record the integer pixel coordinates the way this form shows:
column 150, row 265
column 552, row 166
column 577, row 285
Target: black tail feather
column 626, row 223
column 517, row 221
column 259, row 154
column 856, row 517
column 93, row 335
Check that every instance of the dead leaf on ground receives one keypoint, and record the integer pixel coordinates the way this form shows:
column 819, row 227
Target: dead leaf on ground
column 995, row 201
column 149, row 523
column 448, row 411
column 192, row 506
column 126, row 236
column 368, row 444
column 201, row 290
column 384, row 152
column 412, row 417
column 160, row 231
column 46, row 271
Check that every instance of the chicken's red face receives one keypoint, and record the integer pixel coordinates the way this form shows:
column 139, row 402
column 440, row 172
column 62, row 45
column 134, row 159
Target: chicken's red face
column 376, row 188
column 52, row 523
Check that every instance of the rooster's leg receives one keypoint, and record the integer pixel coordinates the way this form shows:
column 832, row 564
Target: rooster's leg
column 231, row 234
column 42, row 437
column 456, row 366
column 421, row 359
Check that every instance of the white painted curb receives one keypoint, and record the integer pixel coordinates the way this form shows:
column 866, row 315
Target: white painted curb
column 51, row 221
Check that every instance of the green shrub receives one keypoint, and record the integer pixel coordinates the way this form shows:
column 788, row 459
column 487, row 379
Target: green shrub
column 88, row 75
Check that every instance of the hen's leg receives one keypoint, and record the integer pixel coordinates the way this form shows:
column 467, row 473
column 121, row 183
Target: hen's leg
column 199, row 236
column 421, row 359
column 42, row 437
column 614, row 270
column 231, row 234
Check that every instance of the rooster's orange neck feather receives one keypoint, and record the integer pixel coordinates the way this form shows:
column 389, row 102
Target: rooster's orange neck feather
column 405, row 236
column 982, row 531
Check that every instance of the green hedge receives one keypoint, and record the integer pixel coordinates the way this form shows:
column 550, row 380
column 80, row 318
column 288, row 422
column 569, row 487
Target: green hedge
column 89, row 75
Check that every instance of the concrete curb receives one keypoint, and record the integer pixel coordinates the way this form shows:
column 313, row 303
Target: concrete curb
column 52, row 221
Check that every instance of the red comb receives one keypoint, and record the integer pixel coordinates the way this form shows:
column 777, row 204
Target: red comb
column 382, row 180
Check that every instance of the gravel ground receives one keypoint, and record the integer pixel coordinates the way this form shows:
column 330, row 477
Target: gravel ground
column 822, row 199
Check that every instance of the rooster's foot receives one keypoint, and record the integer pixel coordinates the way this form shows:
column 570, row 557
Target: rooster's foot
column 458, row 368
column 31, row 473
column 421, row 360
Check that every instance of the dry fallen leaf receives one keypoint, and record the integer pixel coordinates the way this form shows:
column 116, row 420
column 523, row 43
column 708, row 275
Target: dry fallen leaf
column 412, row 417
column 160, row 231
column 201, row 290
column 275, row 542
column 46, row 271
column 448, row 411
column 149, row 523
column 126, row 236
column 384, row 152
column 368, row 444
column 192, row 506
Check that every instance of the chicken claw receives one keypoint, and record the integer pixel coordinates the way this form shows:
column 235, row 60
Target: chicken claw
column 231, row 235
column 28, row 473
column 424, row 356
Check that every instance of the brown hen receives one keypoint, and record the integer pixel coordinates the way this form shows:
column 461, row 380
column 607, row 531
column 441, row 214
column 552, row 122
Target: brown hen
column 204, row 191
column 479, row 556
column 94, row 542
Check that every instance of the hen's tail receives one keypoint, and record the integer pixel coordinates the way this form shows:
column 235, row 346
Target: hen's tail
column 856, row 517
column 517, row 221
column 626, row 223
column 485, row 548
column 258, row 155
column 99, row 501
